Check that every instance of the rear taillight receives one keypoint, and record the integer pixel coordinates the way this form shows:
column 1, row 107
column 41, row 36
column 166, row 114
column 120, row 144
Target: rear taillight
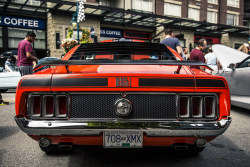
column 48, row 106
column 184, row 103
column 197, row 107
column 210, row 106
column 61, row 102
column 35, row 106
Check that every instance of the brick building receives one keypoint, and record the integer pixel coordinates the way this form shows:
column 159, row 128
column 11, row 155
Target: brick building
column 219, row 21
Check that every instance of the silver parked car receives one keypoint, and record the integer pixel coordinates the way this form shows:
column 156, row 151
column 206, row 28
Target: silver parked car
column 236, row 70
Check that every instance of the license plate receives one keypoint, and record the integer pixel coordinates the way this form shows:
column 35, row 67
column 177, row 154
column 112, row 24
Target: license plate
column 122, row 139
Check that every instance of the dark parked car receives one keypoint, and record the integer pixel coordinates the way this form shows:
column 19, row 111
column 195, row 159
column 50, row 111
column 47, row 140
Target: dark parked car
column 9, row 54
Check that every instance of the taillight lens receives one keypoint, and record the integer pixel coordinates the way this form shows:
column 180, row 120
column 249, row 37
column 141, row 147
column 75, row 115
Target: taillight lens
column 196, row 106
column 210, row 106
column 48, row 106
column 36, row 106
column 184, row 102
column 62, row 106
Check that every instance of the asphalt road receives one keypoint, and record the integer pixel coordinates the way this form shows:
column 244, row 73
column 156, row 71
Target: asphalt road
column 230, row 149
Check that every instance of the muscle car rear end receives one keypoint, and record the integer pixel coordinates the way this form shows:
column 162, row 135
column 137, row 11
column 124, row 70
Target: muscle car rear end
column 122, row 95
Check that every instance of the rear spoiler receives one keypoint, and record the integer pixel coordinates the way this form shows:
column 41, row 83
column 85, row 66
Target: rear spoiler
column 124, row 62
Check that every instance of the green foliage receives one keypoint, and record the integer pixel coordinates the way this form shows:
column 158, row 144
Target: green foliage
column 69, row 33
column 85, row 37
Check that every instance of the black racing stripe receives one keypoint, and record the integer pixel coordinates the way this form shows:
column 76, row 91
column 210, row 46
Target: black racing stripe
column 209, row 83
column 36, row 82
column 166, row 82
column 80, row 82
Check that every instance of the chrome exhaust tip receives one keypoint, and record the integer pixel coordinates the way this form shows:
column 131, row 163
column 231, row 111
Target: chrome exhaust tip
column 44, row 142
column 200, row 142
column 65, row 147
column 180, row 147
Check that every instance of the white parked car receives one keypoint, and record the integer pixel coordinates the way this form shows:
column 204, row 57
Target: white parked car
column 9, row 77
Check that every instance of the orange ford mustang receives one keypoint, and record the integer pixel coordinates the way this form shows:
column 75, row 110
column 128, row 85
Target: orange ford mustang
column 122, row 95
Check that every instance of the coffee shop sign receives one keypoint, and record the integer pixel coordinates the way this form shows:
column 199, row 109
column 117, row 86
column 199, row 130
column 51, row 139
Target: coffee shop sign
column 107, row 32
column 22, row 22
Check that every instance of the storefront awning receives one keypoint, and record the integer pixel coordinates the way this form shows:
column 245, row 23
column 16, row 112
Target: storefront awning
column 116, row 16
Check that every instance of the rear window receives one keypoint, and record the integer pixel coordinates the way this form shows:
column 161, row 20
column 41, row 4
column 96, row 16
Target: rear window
column 123, row 51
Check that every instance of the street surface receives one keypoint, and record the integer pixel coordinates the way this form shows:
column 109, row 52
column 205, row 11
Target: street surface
column 230, row 149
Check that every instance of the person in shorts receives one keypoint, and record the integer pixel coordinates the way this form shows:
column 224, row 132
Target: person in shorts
column 25, row 55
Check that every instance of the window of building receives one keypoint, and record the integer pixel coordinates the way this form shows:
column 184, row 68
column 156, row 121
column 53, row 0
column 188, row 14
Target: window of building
column 30, row 2
column 74, row 36
column 233, row 3
column 212, row 17
column 172, row 9
column 194, row 14
column 212, row 1
column 15, row 35
column 232, row 19
column 145, row 5
column 39, row 43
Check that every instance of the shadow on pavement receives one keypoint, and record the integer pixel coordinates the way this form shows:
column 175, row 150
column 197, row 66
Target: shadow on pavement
column 6, row 131
column 220, row 152
column 98, row 156
column 243, row 111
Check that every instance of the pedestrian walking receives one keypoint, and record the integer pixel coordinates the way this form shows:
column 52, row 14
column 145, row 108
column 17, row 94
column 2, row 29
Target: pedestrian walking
column 171, row 41
column 197, row 54
column 25, row 56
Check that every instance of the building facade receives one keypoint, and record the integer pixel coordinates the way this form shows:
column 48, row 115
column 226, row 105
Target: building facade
column 246, row 21
column 14, row 27
column 219, row 21
column 224, row 12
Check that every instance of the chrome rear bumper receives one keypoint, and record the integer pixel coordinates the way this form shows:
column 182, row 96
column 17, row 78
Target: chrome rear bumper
column 153, row 129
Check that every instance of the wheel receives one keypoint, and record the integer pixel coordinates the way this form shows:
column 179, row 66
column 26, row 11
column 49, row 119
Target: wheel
column 3, row 90
column 51, row 149
column 195, row 149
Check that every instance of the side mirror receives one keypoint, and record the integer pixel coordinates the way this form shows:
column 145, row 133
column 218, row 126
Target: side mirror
column 232, row 66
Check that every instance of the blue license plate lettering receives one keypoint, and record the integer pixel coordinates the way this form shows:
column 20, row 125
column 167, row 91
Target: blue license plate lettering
column 133, row 138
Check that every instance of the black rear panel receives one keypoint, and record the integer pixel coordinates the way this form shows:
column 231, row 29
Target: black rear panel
column 144, row 106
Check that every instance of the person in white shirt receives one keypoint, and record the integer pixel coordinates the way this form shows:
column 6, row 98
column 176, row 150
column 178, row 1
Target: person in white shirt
column 211, row 61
